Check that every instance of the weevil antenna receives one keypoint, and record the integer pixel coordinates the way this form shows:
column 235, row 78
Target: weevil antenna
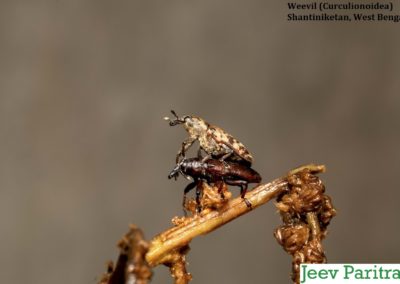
column 174, row 113
column 177, row 120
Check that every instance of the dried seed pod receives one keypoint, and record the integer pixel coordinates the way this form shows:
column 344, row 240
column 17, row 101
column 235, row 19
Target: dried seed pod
column 292, row 237
column 312, row 252
column 190, row 205
column 327, row 212
column 214, row 197
column 306, row 194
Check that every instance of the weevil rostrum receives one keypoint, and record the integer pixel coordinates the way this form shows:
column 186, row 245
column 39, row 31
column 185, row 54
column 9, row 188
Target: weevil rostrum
column 213, row 140
column 213, row 171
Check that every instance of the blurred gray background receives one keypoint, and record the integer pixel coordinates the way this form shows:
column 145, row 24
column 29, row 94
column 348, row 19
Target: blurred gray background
column 84, row 151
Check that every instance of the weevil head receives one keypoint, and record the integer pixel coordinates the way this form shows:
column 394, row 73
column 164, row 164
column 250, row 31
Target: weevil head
column 176, row 171
column 177, row 120
column 180, row 168
column 196, row 126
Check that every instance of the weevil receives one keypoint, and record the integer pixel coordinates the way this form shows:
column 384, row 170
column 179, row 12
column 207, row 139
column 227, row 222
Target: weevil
column 214, row 141
column 213, row 171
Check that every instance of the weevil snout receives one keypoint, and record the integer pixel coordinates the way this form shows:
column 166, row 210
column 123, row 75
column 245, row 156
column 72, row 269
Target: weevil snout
column 177, row 120
column 177, row 170
column 174, row 173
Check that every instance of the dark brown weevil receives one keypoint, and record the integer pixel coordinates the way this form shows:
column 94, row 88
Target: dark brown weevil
column 213, row 140
column 213, row 171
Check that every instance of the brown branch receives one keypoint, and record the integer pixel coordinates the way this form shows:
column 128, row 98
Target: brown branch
column 131, row 265
column 208, row 221
column 171, row 246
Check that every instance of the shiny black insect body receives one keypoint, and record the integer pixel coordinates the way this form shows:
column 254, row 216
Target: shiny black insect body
column 213, row 171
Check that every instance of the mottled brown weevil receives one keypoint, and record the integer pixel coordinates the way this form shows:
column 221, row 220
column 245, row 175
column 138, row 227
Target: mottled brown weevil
column 213, row 140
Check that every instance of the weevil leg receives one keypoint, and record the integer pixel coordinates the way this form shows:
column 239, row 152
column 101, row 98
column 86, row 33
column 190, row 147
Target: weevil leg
column 206, row 158
column 248, row 203
column 185, row 146
column 198, row 192
column 181, row 152
column 227, row 155
column 199, row 154
column 188, row 188
column 243, row 189
column 220, row 186
column 238, row 182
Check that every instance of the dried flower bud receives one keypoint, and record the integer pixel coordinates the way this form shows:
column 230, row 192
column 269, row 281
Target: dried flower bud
column 292, row 237
column 213, row 196
column 294, row 179
column 306, row 194
column 327, row 212
column 177, row 221
column 312, row 252
column 190, row 205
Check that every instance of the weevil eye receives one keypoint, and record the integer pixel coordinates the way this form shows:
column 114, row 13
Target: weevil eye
column 188, row 121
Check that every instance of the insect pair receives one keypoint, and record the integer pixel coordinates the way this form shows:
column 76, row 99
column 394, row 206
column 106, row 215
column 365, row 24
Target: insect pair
column 227, row 160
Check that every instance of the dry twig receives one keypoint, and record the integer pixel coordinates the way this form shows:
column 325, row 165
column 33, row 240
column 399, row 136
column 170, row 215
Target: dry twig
column 131, row 267
column 301, row 239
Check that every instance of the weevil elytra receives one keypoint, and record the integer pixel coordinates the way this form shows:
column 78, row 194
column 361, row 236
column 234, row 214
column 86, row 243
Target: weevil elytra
column 213, row 140
column 213, row 171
